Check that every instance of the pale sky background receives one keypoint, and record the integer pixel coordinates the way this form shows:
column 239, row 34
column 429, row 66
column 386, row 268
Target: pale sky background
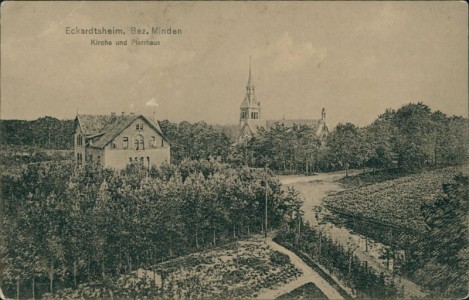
column 354, row 58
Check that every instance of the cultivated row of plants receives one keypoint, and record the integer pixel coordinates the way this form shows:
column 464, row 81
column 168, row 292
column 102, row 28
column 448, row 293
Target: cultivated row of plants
column 395, row 202
column 340, row 261
column 76, row 225
column 434, row 206
column 234, row 270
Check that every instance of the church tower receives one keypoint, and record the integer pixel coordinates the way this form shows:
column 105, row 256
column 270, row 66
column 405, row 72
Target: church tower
column 250, row 111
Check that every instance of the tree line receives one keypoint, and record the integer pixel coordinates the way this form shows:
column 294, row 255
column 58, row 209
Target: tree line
column 409, row 138
column 75, row 225
column 46, row 133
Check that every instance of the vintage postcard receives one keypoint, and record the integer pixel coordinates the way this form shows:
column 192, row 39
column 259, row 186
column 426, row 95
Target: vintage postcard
column 234, row 150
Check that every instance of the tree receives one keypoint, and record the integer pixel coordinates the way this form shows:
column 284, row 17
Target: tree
column 343, row 146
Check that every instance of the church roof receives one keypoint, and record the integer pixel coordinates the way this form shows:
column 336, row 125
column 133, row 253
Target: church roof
column 314, row 124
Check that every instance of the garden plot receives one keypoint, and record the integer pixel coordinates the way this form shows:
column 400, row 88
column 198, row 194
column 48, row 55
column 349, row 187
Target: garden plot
column 395, row 202
column 238, row 270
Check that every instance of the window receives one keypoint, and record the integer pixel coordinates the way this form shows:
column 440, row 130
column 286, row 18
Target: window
column 141, row 160
column 79, row 140
column 153, row 142
column 113, row 145
column 139, row 127
column 125, row 143
column 148, row 161
column 162, row 142
column 79, row 159
column 130, row 159
column 139, row 143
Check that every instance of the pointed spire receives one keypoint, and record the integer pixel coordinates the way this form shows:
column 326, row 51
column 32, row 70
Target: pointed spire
column 250, row 84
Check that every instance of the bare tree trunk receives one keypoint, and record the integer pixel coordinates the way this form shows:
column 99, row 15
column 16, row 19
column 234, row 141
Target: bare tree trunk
column 214, row 237
column 75, row 273
column 34, row 288
column 103, row 275
column 17, row 289
column 51, row 276
column 89, row 269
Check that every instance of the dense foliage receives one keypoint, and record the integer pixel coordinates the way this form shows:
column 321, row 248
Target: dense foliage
column 77, row 225
column 198, row 140
column 284, row 149
column 445, row 256
column 47, row 133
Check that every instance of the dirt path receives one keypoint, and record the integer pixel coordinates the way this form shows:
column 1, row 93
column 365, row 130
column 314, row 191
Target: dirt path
column 313, row 189
column 309, row 275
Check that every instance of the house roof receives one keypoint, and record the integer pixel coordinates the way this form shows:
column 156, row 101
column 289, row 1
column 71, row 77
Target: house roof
column 92, row 124
column 113, row 127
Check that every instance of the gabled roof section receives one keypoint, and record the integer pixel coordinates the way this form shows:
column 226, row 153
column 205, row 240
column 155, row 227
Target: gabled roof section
column 118, row 123
column 115, row 126
column 92, row 124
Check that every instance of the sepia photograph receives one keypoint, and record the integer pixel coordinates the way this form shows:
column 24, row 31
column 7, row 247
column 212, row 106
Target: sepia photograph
column 234, row 150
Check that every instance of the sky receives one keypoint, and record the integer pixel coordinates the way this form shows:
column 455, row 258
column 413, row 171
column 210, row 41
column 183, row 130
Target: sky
column 355, row 59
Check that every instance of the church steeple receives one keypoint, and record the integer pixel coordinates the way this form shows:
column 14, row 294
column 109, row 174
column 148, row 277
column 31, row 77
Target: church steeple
column 250, row 83
column 250, row 111
column 250, row 98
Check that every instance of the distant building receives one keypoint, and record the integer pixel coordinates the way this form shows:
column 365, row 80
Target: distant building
column 251, row 119
column 116, row 141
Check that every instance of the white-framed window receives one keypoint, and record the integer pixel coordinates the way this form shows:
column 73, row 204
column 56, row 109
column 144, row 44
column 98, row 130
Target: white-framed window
column 125, row 143
column 153, row 142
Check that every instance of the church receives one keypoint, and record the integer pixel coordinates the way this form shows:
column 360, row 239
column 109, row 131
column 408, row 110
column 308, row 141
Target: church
column 250, row 119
